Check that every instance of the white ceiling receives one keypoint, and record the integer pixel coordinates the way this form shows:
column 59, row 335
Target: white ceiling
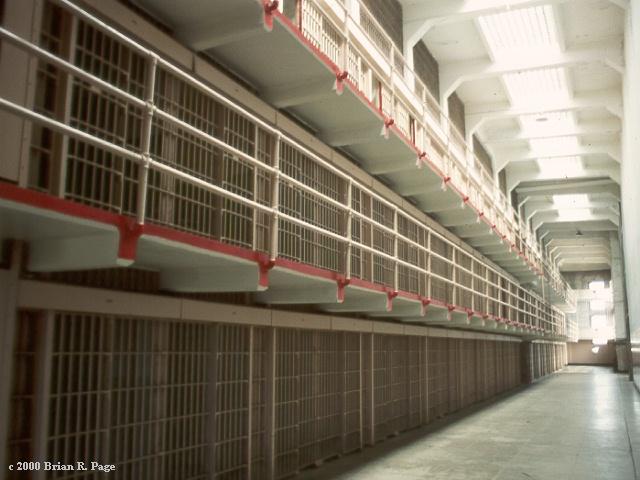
column 567, row 53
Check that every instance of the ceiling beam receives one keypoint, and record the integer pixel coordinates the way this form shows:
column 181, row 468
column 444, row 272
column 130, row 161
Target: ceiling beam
column 596, row 187
column 609, row 126
column 478, row 114
column 570, row 228
column 452, row 75
column 502, row 157
column 552, row 217
column 419, row 17
column 533, row 208
column 530, row 172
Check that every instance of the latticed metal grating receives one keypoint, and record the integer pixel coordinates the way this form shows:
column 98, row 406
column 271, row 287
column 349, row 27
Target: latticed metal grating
column 390, row 378
column 167, row 399
column 296, row 241
column 481, row 370
column 454, row 364
column 131, row 392
column 352, row 396
column 355, row 70
column 464, row 277
column 231, row 420
column 468, row 368
column 374, row 31
column 500, row 367
column 490, row 356
column 417, row 381
column 317, row 28
column 96, row 177
column 223, row 185
column 320, row 396
column 438, row 388
column 442, row 270
column 25, row 379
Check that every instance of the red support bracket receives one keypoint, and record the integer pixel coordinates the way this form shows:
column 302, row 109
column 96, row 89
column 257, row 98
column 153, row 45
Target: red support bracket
column 130, row 231
column 265, row 266
column 390, row 297
column 339, row 84
column 342, row 283
column 269, row 8
column 421, row 158
column 425, row 305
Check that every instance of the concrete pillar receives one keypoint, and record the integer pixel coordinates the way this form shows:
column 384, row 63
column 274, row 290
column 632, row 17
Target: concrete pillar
column 630, row 173
column 619, row 304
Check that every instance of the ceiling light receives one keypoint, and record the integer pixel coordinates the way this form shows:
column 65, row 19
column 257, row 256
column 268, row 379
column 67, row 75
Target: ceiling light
column 554, row 123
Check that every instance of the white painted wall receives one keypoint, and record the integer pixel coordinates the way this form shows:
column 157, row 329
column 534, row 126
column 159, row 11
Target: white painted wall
column 631, row 171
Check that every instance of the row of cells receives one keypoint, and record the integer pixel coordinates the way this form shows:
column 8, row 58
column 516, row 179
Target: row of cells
column 167, row 399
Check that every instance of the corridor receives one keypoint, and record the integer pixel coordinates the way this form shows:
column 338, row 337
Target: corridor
column 582, row 423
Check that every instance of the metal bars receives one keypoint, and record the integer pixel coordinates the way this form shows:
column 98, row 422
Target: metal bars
column 167, row 399
column 218, row 171
column 420, row 108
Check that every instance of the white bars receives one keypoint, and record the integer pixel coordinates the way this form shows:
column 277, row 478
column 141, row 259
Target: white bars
column 169, row 123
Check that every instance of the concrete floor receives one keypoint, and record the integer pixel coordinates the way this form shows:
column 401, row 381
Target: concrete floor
column 582, row 423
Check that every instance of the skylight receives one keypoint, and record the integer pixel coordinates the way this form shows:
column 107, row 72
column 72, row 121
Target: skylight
column 524, row 30
column 531, row 33
column 534, row 86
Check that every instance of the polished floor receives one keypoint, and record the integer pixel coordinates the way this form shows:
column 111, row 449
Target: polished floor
column 582, row 423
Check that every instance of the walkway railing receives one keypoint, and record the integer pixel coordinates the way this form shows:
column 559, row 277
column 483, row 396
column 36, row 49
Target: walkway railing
column 131, row 133
column 380, row 71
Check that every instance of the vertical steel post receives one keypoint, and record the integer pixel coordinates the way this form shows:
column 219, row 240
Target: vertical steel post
column 256, row 172
column 349, row 229
column 275, row 199
column 395, row 250
column 250, row 402
column 270, row 420
column 8, row 322
column 44, row 360
column 212, row 380
column 145, row 147
column 65, row 95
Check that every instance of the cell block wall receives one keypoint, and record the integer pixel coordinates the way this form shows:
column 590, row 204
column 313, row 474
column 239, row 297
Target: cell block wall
column 167, row 399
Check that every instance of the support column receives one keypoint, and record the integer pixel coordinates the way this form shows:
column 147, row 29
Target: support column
column 623, row 351
column 8, row 319
column 630, row 172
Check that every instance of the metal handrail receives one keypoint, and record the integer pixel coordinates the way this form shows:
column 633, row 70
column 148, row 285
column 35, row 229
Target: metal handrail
column 545, row 313
column 393, row 56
